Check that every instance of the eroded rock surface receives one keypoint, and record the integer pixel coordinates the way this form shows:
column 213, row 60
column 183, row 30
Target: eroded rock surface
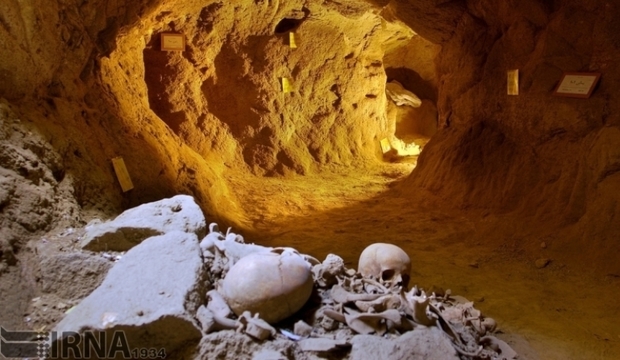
column 152, row 294
column 401, row 96
column 180, row 213
column 85, row 271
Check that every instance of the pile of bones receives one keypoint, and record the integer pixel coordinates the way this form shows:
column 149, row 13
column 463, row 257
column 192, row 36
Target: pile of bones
column 267, row 292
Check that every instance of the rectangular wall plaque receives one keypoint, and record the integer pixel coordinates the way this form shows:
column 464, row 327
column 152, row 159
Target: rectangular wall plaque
column 286, row 85
column 513, row 82
column 385, row 145
column 122, row 174
column 291, row 40
column 576, row 84
column 172, row 42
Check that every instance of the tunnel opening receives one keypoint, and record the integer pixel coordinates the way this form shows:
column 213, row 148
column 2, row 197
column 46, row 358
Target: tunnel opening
column 287, row 24
column 411, row 91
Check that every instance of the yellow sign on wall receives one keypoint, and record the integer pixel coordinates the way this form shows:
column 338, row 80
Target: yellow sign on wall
column 385, row 145
column 286, row 85
column 291, row 40
column 122, row 174
column 172, row 42
column 513, row 82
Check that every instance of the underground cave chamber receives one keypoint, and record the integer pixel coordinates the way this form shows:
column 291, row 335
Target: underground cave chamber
column 513, row 196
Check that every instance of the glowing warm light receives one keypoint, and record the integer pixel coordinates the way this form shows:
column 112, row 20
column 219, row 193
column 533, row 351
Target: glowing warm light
column 404, row 149
column 385, row 145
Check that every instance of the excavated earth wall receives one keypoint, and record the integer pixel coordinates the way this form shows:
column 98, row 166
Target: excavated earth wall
column 91, row 78
column 552, row 160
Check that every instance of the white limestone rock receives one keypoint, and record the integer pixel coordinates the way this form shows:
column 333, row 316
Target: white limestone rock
column 401, row 96
column 179, row 213
column 152, row 294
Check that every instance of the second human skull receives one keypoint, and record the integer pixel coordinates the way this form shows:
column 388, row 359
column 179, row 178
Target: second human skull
column 387, row 263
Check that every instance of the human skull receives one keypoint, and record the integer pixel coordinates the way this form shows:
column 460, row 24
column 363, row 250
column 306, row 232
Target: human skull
column 274, row 284
column 387, row 263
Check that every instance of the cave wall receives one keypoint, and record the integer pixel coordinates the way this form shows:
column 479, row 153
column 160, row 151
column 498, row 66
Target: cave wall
column 223, row 95
column 554, row 160
column 64, row 76
column 91, row 76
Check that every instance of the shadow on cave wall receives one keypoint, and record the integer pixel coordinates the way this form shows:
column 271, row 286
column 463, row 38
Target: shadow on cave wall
column 239, row 99
column 233, row 96
column 413, row 82
column 156, row 73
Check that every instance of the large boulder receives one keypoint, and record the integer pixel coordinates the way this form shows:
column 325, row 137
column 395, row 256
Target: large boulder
column 134, row 225
column 73, row 275
column 149, row 299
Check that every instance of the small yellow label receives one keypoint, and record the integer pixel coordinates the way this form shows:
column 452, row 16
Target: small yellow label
column 291, row 40
column 122, row 174
column 513, row 82
column 286, row 85
column 385, row 145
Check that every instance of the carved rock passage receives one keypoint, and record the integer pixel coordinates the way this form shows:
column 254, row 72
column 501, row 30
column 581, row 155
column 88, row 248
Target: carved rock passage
column 102, row 88
column 91, row 77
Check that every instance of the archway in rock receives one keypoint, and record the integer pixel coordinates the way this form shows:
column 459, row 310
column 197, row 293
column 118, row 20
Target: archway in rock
column 410, row 69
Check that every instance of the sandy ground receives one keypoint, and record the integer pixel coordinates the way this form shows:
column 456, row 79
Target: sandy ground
column 555, row 312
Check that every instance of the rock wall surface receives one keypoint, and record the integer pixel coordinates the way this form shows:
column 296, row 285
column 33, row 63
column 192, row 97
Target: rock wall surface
column 553, row 160
column 91, row 76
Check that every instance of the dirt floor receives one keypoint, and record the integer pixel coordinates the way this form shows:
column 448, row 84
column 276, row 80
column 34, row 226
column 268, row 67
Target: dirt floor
column 550, row 312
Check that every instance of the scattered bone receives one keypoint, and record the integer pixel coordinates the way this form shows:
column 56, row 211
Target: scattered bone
column 255, row 326
column 326, row 273
column 368, row 323
column 335, row 315
column 373, row 286
column 329, row 324
column 211, row 322
column 489, row 324
column 505, row 351
column 302, row 328
column 217, row 304
column 379, row 305
column 446, row 327
column 420, row 315
column 339, row 294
